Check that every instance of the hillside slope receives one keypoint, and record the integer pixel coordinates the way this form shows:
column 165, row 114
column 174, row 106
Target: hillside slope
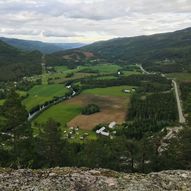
column 71, row 58
column 73, row 179
column 15, row 63
column 168, row 52
column 40, row 46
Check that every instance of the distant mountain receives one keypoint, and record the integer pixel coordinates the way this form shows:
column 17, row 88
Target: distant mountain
column 15, row 64
column 40, row 46
column 166, row 52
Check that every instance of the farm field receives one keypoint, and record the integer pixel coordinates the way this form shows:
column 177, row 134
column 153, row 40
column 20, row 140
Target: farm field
column 42, row 93
column 80, row 72
column 112, row 109
column 105, row 68
column 112, row 101
column 100, row 68
column 128, row 73
column 62, row 113
column 109, row 91
column 106, row 77
column 180, row 76
column 61, row 68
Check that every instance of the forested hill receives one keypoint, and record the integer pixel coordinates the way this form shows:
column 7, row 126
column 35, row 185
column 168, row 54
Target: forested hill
column 167, row 52
column 43, row 47
column 15, row 63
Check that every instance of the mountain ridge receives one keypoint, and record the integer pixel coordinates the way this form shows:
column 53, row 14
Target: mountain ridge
column 44, row 47
column 15, row 63
column 148, row 50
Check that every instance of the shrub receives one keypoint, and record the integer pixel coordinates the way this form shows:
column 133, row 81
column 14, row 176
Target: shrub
column 90, row 109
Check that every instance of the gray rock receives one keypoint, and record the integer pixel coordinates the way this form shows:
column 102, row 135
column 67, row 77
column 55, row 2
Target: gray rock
column 83, row 179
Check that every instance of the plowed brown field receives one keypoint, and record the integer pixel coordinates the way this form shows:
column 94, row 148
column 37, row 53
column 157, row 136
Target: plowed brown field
column 112, row 109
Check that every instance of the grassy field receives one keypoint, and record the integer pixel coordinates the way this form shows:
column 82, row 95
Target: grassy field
column 42, row 93
column 61, row 113
column 112, row 101
column 106, row 78
column 180, row 76
column 61, row 68
column 61, row 71
column 106, row 68
column 100, row 68
column 109, row 91
column 128, row 73
column 64, row 113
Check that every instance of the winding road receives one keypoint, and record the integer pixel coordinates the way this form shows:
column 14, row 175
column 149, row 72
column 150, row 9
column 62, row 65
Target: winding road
column 179, row 105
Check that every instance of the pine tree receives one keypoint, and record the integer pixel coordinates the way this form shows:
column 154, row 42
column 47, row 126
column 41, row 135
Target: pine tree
column 51, row 139
column 17, row 130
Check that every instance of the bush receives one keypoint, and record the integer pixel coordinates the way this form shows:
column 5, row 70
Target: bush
column 90, row 109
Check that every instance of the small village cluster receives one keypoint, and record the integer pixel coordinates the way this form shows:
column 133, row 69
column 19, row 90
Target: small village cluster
column 107, row 131
column 75, row 132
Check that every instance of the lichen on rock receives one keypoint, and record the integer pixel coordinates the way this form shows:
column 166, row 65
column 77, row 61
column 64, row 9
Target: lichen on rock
column 84, row 179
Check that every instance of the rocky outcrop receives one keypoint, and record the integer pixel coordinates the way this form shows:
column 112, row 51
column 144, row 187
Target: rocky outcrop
column 74, row 179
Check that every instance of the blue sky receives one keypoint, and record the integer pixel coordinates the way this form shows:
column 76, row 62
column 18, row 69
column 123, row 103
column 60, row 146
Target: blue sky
column 91, row 20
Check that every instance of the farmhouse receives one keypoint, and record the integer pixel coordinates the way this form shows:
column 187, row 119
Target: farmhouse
column 73, row 93
column 68, row 86
column 112, row 125
column 105, row 133
column 126, row 91
column 102, row 132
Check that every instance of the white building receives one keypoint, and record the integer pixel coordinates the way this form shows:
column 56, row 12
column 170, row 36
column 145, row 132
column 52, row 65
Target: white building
column 68, row 86
column 112, row 125
column 100, row 130
column 105, row 133
column 127, row 91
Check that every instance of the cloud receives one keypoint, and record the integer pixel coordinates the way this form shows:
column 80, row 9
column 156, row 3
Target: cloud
column 91, row 20
column 11, row 31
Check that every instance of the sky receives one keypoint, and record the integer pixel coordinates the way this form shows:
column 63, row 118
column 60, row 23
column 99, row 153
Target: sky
column 91, row 20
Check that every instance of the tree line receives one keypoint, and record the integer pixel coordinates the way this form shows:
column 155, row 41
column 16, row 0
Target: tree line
column 151, row 82
column 156, row 107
